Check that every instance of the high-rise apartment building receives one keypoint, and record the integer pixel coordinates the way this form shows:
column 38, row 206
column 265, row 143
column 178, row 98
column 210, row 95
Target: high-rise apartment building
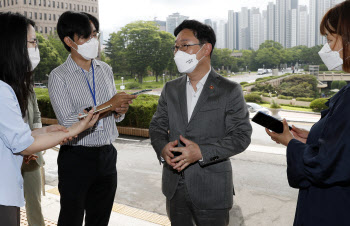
column 303, row 26
column 174, row 20
column 221, row 34
column 255, row 28
column 270, row 14
column 45, row 13
column 243, row 29
column 232, row 30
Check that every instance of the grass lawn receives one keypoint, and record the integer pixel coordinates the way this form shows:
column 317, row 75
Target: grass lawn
column 290, row 108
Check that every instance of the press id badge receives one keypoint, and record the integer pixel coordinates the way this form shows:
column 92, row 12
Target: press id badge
column 99, row 125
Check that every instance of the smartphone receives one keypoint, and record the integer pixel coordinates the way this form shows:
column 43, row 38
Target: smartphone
column 96, row 111
column 141, row 91
column 269, row 122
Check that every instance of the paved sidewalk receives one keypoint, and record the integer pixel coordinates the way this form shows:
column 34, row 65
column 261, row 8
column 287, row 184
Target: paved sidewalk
column 121, row 215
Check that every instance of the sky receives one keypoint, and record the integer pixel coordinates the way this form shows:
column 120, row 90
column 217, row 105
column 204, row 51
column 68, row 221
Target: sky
column 115, row 14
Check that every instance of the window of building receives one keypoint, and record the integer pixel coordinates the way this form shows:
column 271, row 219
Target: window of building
column 58, row 5
column 44, row 2
column 30, row 15
column 36, row 28
column 0, row 4
column 36, row 17
column 85, row 8
column 45, row 30
column 24, row 2
column 25, row 13
column 16, row 2
column 89, row 8
column 54, row 17
column 39, row 2
column 96, row 10
column 8, row 2
column 70, row 6
column 29, row 2
column 53, row 4
column 48, row 3
column 78, row 7
column 49, row 16
column 41, row 29
column 50, row 30
column 40, row 16
column 74, row 7
column 45, row 17
column 11, row 2
column 66, row 5
column 34, row 2
column 62, row 5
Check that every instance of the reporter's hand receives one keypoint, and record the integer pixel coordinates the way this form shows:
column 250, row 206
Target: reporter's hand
column 28, row 158
column 88, row 122
column 281, row 138
column 300, row 134
column 167, row 154
column 121, row 98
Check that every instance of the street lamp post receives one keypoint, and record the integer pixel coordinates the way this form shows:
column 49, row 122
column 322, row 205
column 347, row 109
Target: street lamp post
column 163, row 78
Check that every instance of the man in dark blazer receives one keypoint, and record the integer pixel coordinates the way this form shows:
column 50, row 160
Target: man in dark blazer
column 201, row 121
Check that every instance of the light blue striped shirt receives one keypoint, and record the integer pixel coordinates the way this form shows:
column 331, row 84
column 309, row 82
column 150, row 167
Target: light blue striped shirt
column 15, row 136
column 70, row 95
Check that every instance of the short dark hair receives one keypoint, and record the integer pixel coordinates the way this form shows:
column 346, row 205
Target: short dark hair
column 204, row 33
column 15, row 65
column 71, row 23
column 337, row 21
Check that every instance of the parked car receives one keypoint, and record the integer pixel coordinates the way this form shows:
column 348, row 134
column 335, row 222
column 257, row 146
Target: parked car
column 39, row 85
column 261, row 71
column 269, row 71
column 254, row 108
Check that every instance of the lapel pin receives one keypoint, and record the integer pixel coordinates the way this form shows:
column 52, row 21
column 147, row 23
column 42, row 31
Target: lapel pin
column 211, row 87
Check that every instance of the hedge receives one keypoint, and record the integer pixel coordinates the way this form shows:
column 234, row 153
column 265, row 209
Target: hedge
column 285, row 97
column 307, row 99
column 139, row 114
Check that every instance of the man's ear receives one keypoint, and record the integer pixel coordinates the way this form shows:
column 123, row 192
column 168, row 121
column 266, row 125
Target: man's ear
column 207, row 49
column 68, row 41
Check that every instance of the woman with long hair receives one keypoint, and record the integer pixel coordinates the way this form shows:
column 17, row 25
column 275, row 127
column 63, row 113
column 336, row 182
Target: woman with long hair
column 18, row 57
column 318, row 162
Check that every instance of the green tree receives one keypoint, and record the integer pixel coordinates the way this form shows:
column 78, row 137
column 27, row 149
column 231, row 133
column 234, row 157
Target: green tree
column 270, row 57
column 49, row 59
column 58, row 45
column 134, row 47
column 223, row 59
column 163, row 54
column 271, row 44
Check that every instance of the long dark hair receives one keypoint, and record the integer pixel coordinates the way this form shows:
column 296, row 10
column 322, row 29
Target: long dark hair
column 337, row 21
column 15, row 65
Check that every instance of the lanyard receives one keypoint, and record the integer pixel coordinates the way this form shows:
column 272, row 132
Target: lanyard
column 93, row 93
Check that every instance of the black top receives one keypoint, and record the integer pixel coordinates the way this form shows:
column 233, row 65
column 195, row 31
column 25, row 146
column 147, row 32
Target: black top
column 321, row 167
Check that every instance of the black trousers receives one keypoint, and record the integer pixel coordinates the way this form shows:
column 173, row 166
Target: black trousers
column 87, row 182
column 182, row 212
column 9, row 215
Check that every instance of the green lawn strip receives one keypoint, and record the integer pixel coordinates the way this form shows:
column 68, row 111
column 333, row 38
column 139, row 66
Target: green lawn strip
column 290, row 108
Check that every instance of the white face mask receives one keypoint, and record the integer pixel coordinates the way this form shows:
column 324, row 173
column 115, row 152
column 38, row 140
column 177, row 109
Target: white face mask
column 88, row 50
column 34, row 57
column 186, row 63
column 331, row 58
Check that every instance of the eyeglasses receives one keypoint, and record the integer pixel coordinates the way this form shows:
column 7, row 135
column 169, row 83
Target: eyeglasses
column 94, row 35
column 184, row 47
column 35, row 42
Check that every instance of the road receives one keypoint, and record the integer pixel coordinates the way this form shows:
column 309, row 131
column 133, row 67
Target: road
column 263, row 196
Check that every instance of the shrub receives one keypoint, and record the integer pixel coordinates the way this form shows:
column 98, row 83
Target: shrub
column 335, row 84
column 243, row 83
column 266, row 94
column 318, row 104
column 253, row 98
column 133, row 85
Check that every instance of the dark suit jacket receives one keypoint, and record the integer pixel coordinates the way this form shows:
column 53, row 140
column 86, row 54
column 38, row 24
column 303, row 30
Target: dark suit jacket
column 219, row 125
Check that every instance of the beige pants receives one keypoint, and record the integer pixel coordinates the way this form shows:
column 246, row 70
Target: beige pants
column 32, row 193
